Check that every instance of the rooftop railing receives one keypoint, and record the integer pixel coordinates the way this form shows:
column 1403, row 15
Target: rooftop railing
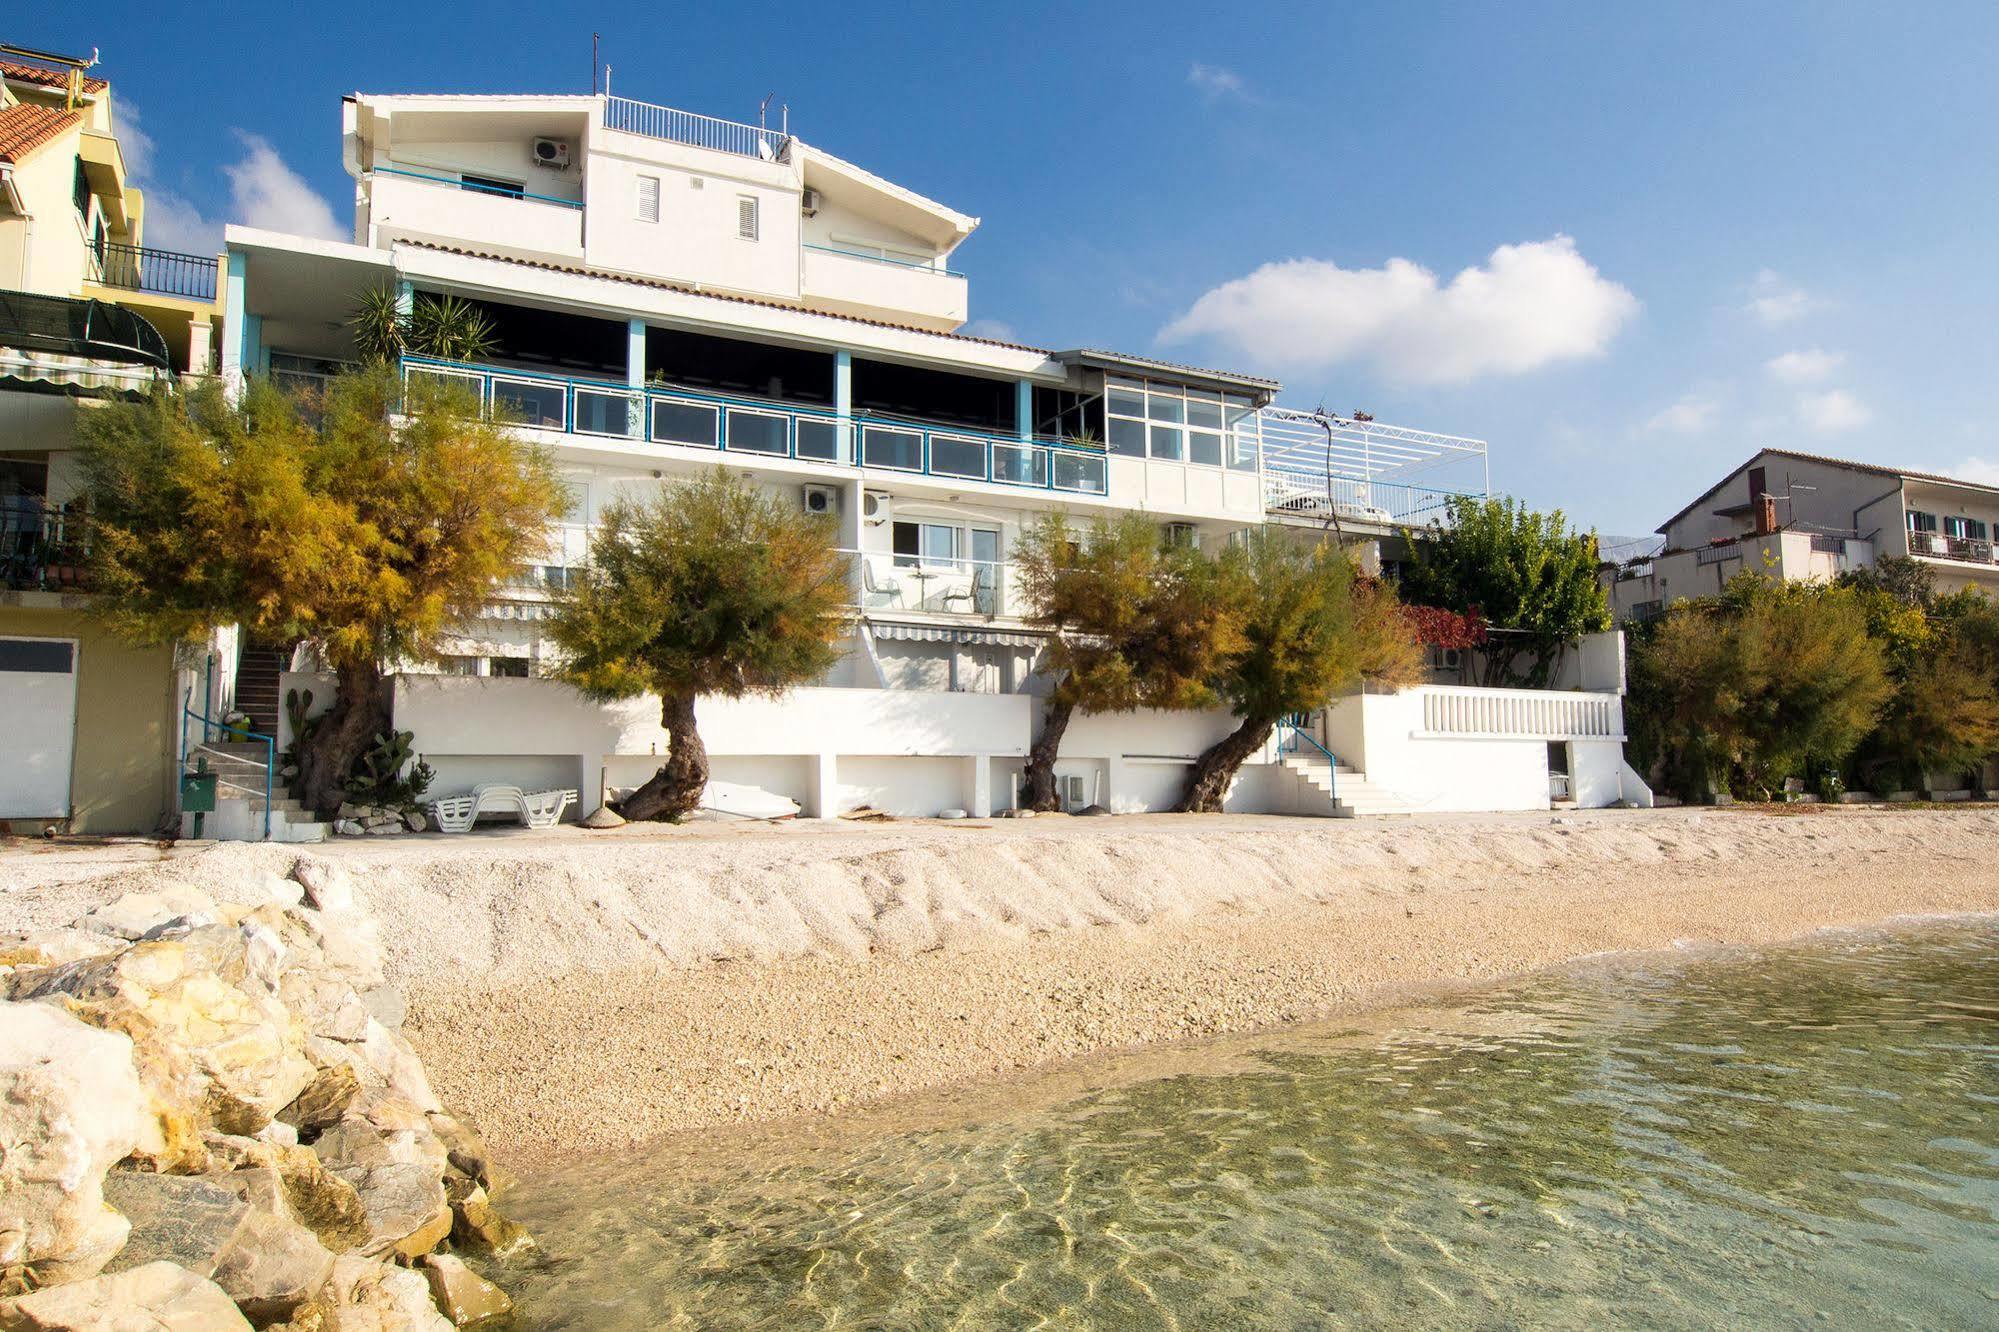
column 758, row 428
column 164, row 272
column 1292, row 494
column 696, row 131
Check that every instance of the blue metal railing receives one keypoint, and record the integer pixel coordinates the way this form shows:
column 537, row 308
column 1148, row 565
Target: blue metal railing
column 761, row 428
column 209, row 726
column 917, row 264
column 475, row 187
column 1294, row 736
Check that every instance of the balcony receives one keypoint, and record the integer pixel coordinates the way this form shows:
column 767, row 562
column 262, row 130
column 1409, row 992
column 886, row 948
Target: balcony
column 415, row 203
column 1384, row 503
column 1964, row 550
column 756, row 429
column 854, row 282
column 43, row 551
column 158, row 272
column 1317, row 466
column 933, row 585
column 696, row 131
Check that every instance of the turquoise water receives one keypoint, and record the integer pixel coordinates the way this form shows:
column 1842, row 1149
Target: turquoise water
column 1799, row 1137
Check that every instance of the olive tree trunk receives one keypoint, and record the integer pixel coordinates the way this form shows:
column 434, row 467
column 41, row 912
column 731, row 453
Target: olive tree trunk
column 360, row 712
column 1208, row 783
column 1039, row 778
column 674, row 792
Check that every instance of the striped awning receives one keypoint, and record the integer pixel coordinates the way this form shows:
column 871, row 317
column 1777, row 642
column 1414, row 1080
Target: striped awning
column 894, row 632
column 76, row 372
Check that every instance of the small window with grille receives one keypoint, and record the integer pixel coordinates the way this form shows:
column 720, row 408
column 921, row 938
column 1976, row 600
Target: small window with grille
column 746, row 216
column 648, row 199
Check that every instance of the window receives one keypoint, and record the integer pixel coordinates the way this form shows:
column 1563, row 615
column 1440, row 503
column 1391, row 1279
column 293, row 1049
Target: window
column 746, row 216
column 1922, row 522
column 943, row 544
column 1152, row 419
column 511, row 189
column 647, row 206
column 80, row 190
column 1964, row 529
column 512, row 668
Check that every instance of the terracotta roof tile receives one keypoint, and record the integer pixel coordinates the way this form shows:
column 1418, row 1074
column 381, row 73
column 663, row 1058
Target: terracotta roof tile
column 663, row 285
column 25, row 127
column 47, row 78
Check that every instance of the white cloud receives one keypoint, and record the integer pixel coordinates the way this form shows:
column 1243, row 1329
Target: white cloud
column 1774, row 300
column 1216, row 81
column 1984, row 471
column 996, row 329
column 266, row 193
column 1689, row 416
column 1530, row 305
column 1833, row 410
column 263, row 192
column 1803, row 367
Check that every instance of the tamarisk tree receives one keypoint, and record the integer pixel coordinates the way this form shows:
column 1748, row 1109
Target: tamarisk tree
column 364, row 523
column 1136, row 624
column 709, row 587
column 1312, row 630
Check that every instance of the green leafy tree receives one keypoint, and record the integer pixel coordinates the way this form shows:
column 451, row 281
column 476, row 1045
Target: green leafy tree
column 1134, row 624
column 1943, row 657
column 1529, row 577
column 710, row 588
column 1312, row 629
column 1766, row 682
column 366, row 526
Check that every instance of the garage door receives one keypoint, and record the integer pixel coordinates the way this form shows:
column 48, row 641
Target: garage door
column 38, row 699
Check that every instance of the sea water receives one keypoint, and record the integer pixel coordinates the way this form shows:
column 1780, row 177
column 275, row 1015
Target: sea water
column 1804, row 1136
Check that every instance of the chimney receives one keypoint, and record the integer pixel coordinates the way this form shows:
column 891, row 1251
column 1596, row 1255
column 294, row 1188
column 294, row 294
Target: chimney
column 1766, row 514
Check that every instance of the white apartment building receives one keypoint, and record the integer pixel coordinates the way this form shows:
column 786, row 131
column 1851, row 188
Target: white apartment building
column 1798, row 515
column 670, row 292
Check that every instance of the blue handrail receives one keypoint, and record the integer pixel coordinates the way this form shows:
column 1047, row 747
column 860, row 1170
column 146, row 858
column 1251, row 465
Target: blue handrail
column 1085, row 471
column 916, row 264
column 473, row 187
column 209, row 724
column 1291, row 732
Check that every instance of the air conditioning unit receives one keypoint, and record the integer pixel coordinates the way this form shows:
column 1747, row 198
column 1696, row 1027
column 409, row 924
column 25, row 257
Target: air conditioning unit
column 808, row 203
column 551, row 153
column 874, row 506
column 822, row 499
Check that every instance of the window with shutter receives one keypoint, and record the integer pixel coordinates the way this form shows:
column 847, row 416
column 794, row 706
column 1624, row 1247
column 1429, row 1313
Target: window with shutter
column 746, row 216
column 648, row 203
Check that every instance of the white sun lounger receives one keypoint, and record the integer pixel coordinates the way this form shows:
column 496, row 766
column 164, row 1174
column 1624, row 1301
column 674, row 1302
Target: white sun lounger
column 535, row 809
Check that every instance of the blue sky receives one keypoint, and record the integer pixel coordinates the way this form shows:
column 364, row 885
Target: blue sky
column 1627, row 246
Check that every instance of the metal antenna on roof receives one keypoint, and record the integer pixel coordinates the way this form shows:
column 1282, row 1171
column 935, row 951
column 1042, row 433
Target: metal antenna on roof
column 594, row 82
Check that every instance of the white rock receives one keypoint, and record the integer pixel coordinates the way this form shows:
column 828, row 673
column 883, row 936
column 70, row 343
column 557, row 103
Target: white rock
column 326, row 887
column 348, row 828
column 71, row 1106
column 159, row 1297
column 135, row 915
column 392, row 1058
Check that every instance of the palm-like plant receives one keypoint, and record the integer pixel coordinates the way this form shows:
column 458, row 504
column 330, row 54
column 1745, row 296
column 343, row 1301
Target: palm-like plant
column 449, row 328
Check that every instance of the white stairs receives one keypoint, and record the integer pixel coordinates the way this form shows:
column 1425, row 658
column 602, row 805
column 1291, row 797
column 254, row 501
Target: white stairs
column 1343, row 786
column 239, row 799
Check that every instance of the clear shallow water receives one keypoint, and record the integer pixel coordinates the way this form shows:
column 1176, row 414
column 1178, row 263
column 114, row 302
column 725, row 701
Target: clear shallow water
column 1798, row 1137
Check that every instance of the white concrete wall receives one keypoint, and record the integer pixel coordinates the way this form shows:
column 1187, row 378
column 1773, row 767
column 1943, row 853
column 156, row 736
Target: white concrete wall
column 696, row 237
column 532, row 228
column 856, row 284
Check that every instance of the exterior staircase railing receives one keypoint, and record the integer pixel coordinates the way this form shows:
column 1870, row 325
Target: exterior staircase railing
column 1294, row 736
column 194, row 755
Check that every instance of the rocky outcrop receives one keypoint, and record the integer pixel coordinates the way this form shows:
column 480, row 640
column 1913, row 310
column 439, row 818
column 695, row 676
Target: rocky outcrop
column 211, row 1120
column 70, row 1107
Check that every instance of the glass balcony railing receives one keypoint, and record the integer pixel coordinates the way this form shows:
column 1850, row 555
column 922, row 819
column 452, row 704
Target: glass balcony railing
column 759, row 428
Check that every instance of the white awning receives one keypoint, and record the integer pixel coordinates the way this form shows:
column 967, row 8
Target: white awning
column 80, row 372
column 891, row 632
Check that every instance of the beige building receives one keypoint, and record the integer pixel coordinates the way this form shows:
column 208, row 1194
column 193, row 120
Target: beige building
column 1798, row 515
column 87, row 314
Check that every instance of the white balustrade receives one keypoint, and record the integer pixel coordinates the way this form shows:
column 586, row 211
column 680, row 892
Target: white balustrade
column 1520, row 713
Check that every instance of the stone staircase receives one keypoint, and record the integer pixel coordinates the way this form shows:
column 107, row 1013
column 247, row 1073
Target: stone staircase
column 238, row 766
column 1343, row 787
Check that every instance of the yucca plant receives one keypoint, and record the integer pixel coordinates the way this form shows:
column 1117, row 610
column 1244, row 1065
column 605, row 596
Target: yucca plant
column 449, row 328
